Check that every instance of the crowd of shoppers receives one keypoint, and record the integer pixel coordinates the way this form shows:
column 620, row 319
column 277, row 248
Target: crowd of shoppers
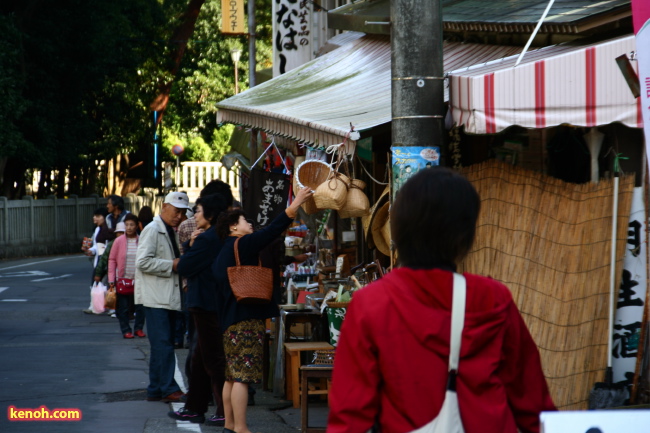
column 395, row 329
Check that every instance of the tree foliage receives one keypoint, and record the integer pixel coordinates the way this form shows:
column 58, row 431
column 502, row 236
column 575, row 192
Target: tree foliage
column 78, row 76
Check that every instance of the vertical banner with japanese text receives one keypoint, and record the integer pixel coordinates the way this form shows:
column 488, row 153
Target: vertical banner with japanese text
column 631, row 296
column 233, row 17
column 641, row 21
column 292, row 39
column 266, row 197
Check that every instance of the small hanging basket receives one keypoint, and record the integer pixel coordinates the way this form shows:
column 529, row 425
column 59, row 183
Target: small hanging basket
column 332, row 193
column 356, row 202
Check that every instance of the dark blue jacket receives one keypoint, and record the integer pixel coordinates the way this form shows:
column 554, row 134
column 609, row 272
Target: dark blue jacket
column 195, row 265
column 230, row 312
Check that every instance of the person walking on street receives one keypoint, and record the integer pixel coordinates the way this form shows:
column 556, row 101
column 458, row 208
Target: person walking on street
column 101, row 235
column 207, row 359
column 243, row 324
column 121, row 264
column 116, row 211
column 391, row 366
column 157, row 288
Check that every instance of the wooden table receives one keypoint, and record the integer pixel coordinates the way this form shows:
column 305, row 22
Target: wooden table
column 293, row 366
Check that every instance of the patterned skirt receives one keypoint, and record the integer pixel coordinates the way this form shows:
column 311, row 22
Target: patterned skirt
column 243, row 345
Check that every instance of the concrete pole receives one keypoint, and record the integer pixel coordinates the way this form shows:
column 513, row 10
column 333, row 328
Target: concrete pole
column 417, row 74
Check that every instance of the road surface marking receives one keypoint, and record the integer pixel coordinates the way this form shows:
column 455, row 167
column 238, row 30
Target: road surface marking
column 52, row 278
column 23, row 274
column 2, row 289
column 185, row 425
column 34, row 263
column 13, row 300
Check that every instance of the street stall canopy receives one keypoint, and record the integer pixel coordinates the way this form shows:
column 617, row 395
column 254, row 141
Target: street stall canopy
column 318, row 102
column 580, row 85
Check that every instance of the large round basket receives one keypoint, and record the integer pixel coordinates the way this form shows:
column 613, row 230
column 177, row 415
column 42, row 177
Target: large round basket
column 311, row 173
column 356, row 202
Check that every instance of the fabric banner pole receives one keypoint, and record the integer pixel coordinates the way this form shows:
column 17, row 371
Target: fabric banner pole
column 641, row 20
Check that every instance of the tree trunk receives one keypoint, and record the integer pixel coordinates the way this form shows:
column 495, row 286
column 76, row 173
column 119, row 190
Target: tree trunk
column 181, row 35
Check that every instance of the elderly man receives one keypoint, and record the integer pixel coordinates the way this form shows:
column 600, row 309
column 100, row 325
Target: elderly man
column 157, row 288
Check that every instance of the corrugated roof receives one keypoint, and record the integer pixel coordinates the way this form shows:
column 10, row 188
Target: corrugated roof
column 512, row 16
column 317, row 102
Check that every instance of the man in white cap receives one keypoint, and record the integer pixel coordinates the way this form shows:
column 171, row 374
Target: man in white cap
column 157, row 288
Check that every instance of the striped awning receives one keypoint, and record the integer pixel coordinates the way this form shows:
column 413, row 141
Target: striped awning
column 561, row 84
column 316, row 103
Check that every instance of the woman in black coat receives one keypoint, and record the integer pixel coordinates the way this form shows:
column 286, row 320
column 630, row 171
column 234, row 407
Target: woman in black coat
column 208, row 362
column 243, row 324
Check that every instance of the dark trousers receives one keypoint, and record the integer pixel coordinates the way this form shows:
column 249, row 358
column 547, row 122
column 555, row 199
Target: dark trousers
column 208, row 363
column 124, row 304
column 162, row 360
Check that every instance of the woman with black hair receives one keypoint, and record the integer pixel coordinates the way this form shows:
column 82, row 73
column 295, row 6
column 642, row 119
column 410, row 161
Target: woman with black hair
column 207, row 362
column 243, row 324
column 391, row 365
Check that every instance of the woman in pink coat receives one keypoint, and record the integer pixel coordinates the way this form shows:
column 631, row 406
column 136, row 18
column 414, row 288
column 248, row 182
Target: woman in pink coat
column 121, row 264
column 391, row 364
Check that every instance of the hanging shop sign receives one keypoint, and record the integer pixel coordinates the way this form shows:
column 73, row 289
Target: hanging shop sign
column 631, row 296
column 292, row 39
column 364, row 148
column 233, row 17
column 408, row 160
column 266, row 197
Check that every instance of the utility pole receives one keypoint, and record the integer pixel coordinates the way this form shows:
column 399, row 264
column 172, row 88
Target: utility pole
column 417, row 74
column 251, row 44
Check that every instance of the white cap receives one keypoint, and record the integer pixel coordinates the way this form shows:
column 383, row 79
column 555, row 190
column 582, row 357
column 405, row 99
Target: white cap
column 120, row 227
column 178, row 199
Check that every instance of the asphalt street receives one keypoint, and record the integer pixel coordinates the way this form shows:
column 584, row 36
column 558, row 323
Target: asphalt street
column 53, row 356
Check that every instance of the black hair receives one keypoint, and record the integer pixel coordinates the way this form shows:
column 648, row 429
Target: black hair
column 117, row 201
column 145, row 215
column 217, row 186
column 226, row 220
column 433, row 218
column 213, row 205
column 101, row 211
column 131, row 217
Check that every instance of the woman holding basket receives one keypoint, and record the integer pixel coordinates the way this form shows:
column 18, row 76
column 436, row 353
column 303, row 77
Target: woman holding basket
column 243, row 323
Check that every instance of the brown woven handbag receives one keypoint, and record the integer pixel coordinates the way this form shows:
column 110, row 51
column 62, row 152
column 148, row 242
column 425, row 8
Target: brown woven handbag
column 250, row 284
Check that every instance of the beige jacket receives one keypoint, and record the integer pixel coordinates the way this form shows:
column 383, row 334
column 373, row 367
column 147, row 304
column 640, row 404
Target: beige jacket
column 156, row 285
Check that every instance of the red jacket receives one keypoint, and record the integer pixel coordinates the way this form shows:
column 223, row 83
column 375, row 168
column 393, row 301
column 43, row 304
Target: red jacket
column 392, row 358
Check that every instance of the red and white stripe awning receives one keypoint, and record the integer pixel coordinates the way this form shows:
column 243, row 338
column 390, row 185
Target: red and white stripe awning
column 561, row 84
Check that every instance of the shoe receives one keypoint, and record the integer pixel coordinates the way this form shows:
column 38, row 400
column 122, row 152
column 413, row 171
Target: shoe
column 128, row 335
column 184, row 414
column 153, row 398
column 140, row 333
column 227, row 430
column 251, row 400
column 88, row 311
column 113, row 315
column 173, row 397
column 216, row 420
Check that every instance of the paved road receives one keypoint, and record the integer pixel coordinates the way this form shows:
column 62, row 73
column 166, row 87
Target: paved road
column 53, row 355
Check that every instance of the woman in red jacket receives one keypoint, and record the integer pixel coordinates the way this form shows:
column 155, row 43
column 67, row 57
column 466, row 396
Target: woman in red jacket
column 392, row 357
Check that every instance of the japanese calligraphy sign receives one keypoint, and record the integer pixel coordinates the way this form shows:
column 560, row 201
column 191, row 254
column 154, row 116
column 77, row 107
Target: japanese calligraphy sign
column 233, row 20
column 292, row 39
column 631, row 296
column 267, row 196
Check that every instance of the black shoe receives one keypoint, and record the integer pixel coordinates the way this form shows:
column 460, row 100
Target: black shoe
column 184, row 414
column 251, row 400
column 217, row 420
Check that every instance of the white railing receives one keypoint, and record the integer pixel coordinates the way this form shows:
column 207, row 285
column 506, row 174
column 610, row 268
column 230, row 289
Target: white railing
column 191, row 177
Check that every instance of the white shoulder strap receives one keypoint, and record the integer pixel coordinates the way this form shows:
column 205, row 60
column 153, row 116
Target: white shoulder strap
column 457, row 319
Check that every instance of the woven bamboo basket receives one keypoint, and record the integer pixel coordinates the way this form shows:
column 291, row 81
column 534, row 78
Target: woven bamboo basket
column 332, row 193
column 333, row 304
column 356, row 202
column 324, row 356
column 311, row 173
